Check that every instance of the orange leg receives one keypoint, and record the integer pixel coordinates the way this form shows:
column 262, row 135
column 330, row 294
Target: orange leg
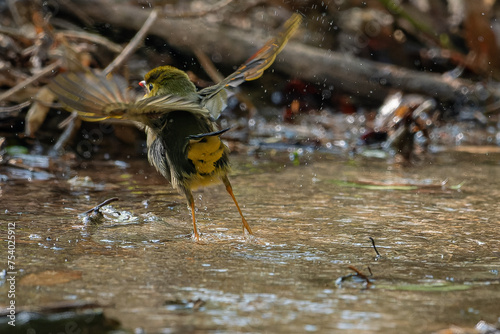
column 230, row 191
column 195, row 230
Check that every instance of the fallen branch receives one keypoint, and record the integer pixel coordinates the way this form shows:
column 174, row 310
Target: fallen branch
column 345, row 72
column 366, row 77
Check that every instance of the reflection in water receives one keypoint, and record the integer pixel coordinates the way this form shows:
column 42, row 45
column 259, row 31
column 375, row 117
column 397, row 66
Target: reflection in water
column 439, row 246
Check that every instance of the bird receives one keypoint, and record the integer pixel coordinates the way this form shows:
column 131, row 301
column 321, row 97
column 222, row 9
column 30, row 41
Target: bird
column 183, row 139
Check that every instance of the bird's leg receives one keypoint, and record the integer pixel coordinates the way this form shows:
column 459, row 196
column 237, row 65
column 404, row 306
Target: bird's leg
column 229, row 189
column 190, row 200
column 196, row 235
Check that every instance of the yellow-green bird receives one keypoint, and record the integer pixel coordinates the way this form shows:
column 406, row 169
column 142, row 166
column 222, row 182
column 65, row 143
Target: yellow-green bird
column 183, row 139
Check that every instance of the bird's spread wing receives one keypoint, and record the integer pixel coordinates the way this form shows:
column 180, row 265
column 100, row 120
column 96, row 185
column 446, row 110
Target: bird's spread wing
column 96, row 97
column 90, row 94
column 214, row 97
column 158, row 105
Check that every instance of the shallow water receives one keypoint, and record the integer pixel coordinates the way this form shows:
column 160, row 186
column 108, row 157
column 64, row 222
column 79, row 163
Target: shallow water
column 439, row 246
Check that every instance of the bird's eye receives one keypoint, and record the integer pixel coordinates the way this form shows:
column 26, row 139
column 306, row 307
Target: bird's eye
column 151, row 87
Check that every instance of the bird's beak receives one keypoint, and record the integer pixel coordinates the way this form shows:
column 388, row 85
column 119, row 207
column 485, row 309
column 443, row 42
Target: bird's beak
column 143, row 85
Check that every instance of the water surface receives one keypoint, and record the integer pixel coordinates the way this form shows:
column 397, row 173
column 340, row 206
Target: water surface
column 439, row 246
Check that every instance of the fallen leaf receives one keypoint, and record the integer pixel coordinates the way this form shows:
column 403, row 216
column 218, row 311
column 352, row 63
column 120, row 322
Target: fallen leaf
column 50, row 277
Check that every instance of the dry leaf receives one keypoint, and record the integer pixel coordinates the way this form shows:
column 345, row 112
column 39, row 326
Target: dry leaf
column 38, row 111
column 50, row 277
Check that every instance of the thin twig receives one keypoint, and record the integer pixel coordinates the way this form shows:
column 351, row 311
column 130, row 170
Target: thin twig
column 133, row 44
column 67, row 120
column 72, row 124
column 208, row 65
column 90, row 38
column 374, row 247
column 44, row 71
column 99, row 206
column 15, row 13
column 16, row 163
column 362, row 276
column 358, row 274
column 209, row 68
column 15, row 108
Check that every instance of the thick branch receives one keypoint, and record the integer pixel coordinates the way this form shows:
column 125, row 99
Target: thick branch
column 366, row 77
column 359, row 76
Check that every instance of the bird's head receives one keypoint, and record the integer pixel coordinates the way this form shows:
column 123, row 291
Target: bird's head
column 165, row 80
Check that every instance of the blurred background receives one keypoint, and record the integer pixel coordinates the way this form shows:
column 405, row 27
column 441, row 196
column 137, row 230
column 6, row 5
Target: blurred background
column 403, row 77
